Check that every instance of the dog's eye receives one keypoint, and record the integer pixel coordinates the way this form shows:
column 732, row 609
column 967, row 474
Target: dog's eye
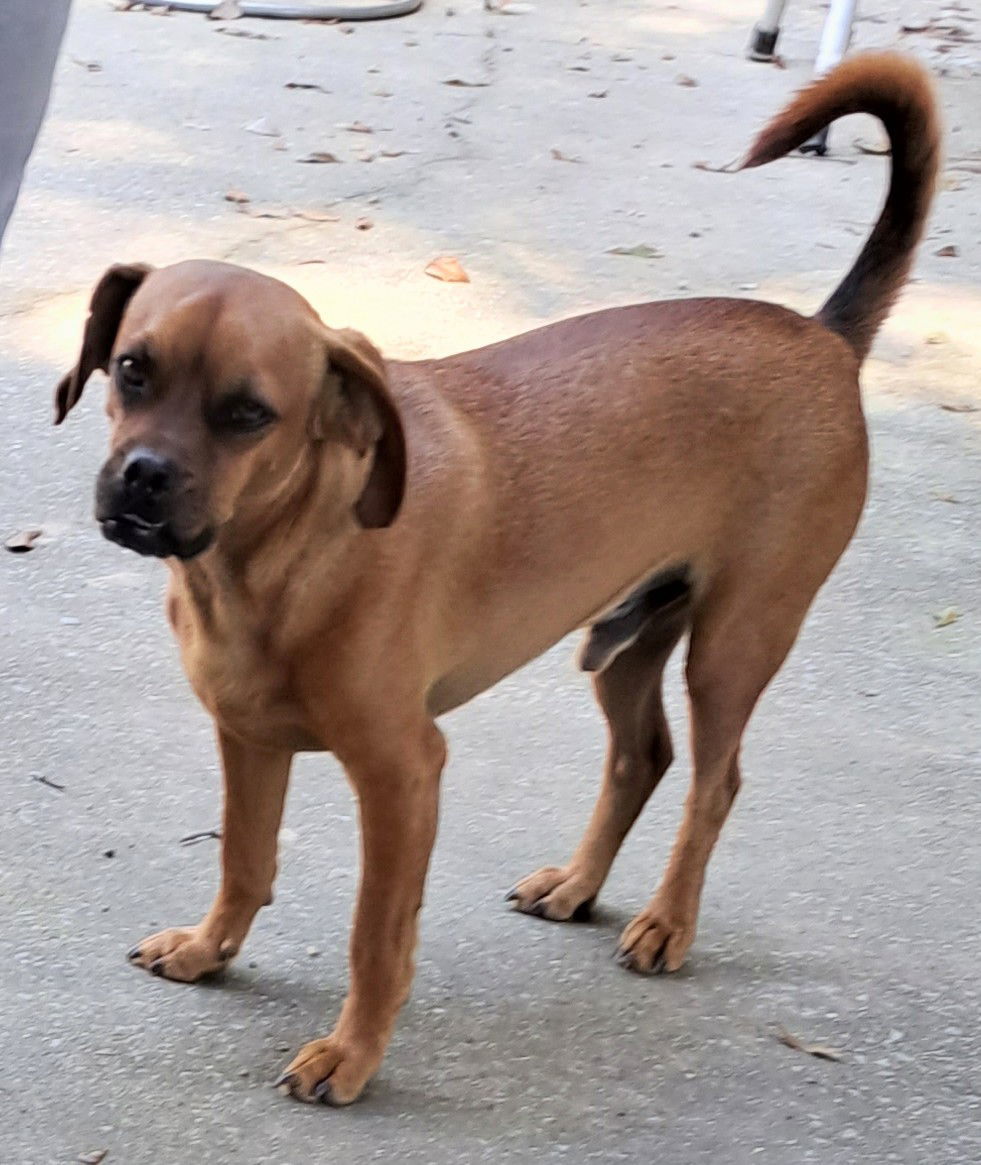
column 243, row 414
column 131, row 378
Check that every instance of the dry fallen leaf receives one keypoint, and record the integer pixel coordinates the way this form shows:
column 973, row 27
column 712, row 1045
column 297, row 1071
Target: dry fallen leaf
column 92, row 1158
column 226, row 10
column 23, row 541
column 316, row 216
column 948, row 252
column 459, row 83
column 818, row 1050
column 448, row 269
column 264, row 128
column 945, row 617
column 392, row 153
column 707, row 166
column 363, row 224
column 237, row 196
column 319, row 158
column 961, row 408
column 880, row 147
column 685, row 81
column 640, row 251
column 245, row 33
column 560, row 157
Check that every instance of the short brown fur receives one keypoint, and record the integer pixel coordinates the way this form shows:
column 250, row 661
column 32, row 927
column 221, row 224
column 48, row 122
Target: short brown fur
column 403, row 535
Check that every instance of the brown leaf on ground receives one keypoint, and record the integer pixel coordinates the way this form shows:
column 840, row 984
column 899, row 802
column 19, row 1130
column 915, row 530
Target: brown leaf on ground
column 640, row 251
column 448, row 269
column 23, row 541
column 685, row 81
column 245, row 33
column 319, row 158
column 819, row 1050
column 948, row 252
column 879, row 148
column 226, row 10
column 728, row 168
column 316, row 216
column 363, row 224
column 945, row 617
column 560, row 157
column 237, row 196
column 392, row 153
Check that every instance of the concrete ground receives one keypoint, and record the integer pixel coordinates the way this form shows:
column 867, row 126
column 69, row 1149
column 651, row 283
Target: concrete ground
column 843, row 899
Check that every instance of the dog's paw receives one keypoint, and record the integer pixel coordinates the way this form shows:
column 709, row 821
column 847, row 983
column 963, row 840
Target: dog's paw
column 330, row 1071
column 182, row 954
column 558, row 894
column 655, row 941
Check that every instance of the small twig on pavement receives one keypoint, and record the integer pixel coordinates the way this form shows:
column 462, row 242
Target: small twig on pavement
column 47, row 781
column 204, row 835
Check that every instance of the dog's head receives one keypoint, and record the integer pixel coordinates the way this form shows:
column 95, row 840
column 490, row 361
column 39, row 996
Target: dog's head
column 220, row 382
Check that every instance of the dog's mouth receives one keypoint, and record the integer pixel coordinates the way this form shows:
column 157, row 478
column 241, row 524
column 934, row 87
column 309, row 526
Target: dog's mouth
column 154, row 539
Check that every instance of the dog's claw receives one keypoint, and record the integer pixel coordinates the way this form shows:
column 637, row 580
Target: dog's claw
column 283, row 1078
column 324, row 1093
column 156, row 967
column 625, row 959
column 511, row 895
column 135, row 953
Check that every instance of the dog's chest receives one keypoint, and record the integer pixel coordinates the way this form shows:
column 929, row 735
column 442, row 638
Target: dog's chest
column 236, row 676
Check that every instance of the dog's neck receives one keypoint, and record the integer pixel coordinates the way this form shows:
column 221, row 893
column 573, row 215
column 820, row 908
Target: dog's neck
column 309, row 514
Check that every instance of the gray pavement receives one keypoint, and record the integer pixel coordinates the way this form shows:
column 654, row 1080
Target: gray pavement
column 843, row 898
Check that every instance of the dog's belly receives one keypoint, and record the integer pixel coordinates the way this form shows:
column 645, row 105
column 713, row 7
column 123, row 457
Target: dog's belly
column 538, row 617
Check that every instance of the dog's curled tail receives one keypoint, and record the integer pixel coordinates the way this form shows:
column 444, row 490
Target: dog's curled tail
column 897, row 91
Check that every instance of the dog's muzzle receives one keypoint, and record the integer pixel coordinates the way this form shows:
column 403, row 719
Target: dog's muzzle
column 134, row 507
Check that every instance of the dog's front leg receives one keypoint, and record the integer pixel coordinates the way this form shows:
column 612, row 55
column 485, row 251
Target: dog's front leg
column 255, row 789
column 398, row 792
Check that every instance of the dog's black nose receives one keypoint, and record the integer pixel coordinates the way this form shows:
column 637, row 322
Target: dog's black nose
column 147, row 475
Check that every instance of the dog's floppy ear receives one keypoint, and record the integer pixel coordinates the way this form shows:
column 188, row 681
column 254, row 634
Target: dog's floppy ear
column 112, row 293
column 359, row 411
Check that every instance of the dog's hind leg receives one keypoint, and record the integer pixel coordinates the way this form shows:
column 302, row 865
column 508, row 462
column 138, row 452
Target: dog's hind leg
column 628, row 689
column 739, row 639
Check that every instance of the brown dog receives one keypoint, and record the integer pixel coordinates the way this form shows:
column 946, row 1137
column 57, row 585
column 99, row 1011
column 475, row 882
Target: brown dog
column 356, row 547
